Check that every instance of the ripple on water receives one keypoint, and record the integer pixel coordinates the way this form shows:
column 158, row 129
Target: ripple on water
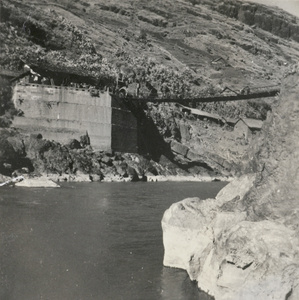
column 92, row 241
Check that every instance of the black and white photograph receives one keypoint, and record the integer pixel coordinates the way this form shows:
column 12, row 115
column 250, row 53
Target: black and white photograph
column 149, row 149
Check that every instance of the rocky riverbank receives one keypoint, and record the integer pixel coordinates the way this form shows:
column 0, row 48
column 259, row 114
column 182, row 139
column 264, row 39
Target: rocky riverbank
column 244, row 243
column 53, row 180
column 34, row 157
column 184, row 50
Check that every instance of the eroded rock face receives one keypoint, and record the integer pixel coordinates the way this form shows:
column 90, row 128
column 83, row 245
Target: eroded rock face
column 244, row 244
column 230, row 257
column 276, row 194
column 262, row 17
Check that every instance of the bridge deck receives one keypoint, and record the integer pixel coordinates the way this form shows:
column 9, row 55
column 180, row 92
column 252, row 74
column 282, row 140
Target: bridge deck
column 218, row 98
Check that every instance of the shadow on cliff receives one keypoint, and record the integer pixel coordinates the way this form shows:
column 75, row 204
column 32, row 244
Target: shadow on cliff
column 151, row 143
column 12, row 154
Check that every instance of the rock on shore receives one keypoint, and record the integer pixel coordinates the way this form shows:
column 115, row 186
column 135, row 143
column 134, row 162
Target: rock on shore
column 37, row 182
column 244, row 244
column 231, row 258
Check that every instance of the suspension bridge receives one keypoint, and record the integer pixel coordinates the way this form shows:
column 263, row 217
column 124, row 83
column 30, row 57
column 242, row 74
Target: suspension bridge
column 245, row 94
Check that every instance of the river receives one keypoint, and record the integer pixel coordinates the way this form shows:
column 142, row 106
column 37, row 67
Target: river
column 92, row 241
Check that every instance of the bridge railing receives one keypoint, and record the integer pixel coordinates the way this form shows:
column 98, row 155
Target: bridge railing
column 253, row 93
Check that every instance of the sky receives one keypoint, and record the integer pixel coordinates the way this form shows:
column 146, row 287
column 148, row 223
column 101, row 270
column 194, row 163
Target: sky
column 291, row 6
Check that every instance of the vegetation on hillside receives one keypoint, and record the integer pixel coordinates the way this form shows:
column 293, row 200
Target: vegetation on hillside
column 175, row 51
column 164, row 50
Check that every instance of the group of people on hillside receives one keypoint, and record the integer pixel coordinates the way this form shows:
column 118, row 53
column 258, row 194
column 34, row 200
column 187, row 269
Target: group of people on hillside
column 121, row 85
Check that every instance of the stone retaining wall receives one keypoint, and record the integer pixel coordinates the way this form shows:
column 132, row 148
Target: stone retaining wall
column 62, row 113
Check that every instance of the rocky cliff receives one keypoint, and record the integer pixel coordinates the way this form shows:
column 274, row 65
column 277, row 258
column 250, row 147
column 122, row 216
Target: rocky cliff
column 261, row 16
column 188, row 49
column 244, row 243
column 275, row 195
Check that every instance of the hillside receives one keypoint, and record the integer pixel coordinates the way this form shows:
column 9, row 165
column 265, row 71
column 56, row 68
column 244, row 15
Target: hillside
column 203, row 47
column 244, row 243
column 196, row 47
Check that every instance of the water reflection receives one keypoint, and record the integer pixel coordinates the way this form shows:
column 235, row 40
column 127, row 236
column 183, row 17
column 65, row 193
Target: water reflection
column 176, row 284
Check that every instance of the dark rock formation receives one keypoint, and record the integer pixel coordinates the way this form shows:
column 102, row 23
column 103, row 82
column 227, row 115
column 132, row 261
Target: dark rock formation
column 7, row 156
column 74, row 144
column 12, row 152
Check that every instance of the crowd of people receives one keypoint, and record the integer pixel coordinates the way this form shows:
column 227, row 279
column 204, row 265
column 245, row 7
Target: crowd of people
column 120, row 87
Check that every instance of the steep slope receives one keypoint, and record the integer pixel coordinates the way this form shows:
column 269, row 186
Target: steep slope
column 208, row 45
column 276, row 193
column 191, row 47
column 291, row 6
column 244, row 243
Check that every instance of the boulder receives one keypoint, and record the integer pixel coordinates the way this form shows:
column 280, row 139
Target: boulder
column 37, row 182
column 12, row 154
column 80, row 177
column 114, row 178
column 81, row 161
column 4, row 178
column 96, row 177
column 179, row 148
column 109, row 153
column 20, row 172
column 107, row 160
column 12, row 181
column 37, row 136
column 132, row 174
column 230, row 257
column 18, row 144
column 74, row 144
column 7, row 152
column 183, row 217
column 121, row 169
column 118, row 156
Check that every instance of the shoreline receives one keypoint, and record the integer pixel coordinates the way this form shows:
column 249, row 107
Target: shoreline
column 179, row 178
column 53, row 180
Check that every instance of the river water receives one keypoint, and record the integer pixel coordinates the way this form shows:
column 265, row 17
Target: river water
column 91, row 241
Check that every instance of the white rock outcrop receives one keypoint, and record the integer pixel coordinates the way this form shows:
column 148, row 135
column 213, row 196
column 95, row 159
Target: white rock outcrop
column 230, row 257
column 37, row 182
